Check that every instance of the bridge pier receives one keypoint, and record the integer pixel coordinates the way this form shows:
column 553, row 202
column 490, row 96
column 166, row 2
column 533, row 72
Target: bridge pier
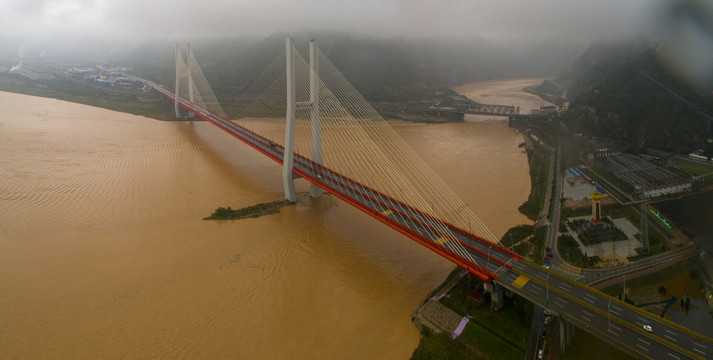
column 496, row 295
column 567, row 333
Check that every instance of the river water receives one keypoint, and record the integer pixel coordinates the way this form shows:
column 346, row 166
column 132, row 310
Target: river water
column 103, row 253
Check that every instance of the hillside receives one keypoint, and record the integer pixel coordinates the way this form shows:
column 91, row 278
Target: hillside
column 383, row 70
column 613, row 97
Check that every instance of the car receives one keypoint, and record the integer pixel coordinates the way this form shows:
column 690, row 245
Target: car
column 548, row 319
column 539, row 354
column 648, row 328
column 547, row 312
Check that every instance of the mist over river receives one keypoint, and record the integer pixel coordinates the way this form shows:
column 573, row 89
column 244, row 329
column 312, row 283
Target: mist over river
column 103, row 253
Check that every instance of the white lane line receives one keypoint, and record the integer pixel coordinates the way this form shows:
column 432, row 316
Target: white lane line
column 589, row 300
column 643, row 320
column 616, row 308
column 670, row 338
column 519, row 266
column 565, row 285
column 588, row 313
column 616, row 327
column 698, row 351
column 559, row 303
column 639, row 345
column 644, row 341
column 638, row 323
column 699, row 344
column 535, row 289
column 671, row 332
column 615, row 312
column 541, row 277
column 674, row 356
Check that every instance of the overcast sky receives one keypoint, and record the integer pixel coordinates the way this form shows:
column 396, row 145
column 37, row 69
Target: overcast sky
column 138, row 20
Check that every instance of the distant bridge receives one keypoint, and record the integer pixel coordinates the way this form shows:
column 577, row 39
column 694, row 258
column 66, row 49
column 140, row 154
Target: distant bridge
column 486, row 109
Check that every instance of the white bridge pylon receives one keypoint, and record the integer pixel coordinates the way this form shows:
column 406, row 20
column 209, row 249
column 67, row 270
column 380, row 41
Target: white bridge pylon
column 183, row 72
column 292, row 105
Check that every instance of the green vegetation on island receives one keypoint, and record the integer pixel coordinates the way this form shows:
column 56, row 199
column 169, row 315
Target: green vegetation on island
column 254, row 211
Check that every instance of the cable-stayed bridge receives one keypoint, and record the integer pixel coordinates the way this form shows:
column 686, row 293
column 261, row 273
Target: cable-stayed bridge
column 335, row 140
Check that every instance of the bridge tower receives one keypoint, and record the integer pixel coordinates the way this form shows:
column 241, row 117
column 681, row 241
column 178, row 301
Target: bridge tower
column 180, row 73
column 292, row 104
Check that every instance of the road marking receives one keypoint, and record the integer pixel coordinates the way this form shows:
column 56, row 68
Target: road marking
column 699, row 344
column 698, row 351
column 520, row 281
column 671, row 332
column 639, row 345
column 519, row 266
column 644, row 341
column 513, row 277
column 616, row 313
column 541, row 277
column 536, row 289
column 670, row 338
column 441, row 240
column 561, row 303
column 616, row 308
column 591, row 301
column 387, row 212
column 616, row 327
column 674, row 356
column 588, row 313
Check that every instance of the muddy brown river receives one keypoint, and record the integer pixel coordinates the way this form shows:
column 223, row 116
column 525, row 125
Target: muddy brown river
column 103, row 253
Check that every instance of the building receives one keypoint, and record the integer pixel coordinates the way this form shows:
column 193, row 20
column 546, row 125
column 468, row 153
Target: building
column 647, row 179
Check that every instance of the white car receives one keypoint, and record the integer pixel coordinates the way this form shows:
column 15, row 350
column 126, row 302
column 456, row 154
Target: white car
column 648, row 328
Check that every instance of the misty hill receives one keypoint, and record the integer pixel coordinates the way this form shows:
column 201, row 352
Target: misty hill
column 381, row 69
column 613, row 96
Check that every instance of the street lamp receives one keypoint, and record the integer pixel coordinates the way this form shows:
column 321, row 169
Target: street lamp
column 609, row 313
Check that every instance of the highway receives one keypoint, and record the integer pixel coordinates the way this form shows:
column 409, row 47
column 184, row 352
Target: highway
column 604, row 316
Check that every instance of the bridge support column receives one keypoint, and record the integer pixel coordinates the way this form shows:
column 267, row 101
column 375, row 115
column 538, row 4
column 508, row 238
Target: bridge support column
column 496, row 295
column 563, row 334
column 289, row 157
column 314, row 190
column 189, row 61
column 178, row 83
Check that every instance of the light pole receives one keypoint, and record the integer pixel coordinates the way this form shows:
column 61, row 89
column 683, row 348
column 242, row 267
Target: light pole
column 548, row 287
column 609, row 313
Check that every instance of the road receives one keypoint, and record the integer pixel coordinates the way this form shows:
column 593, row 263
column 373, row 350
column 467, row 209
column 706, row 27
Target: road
column 611, row 319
